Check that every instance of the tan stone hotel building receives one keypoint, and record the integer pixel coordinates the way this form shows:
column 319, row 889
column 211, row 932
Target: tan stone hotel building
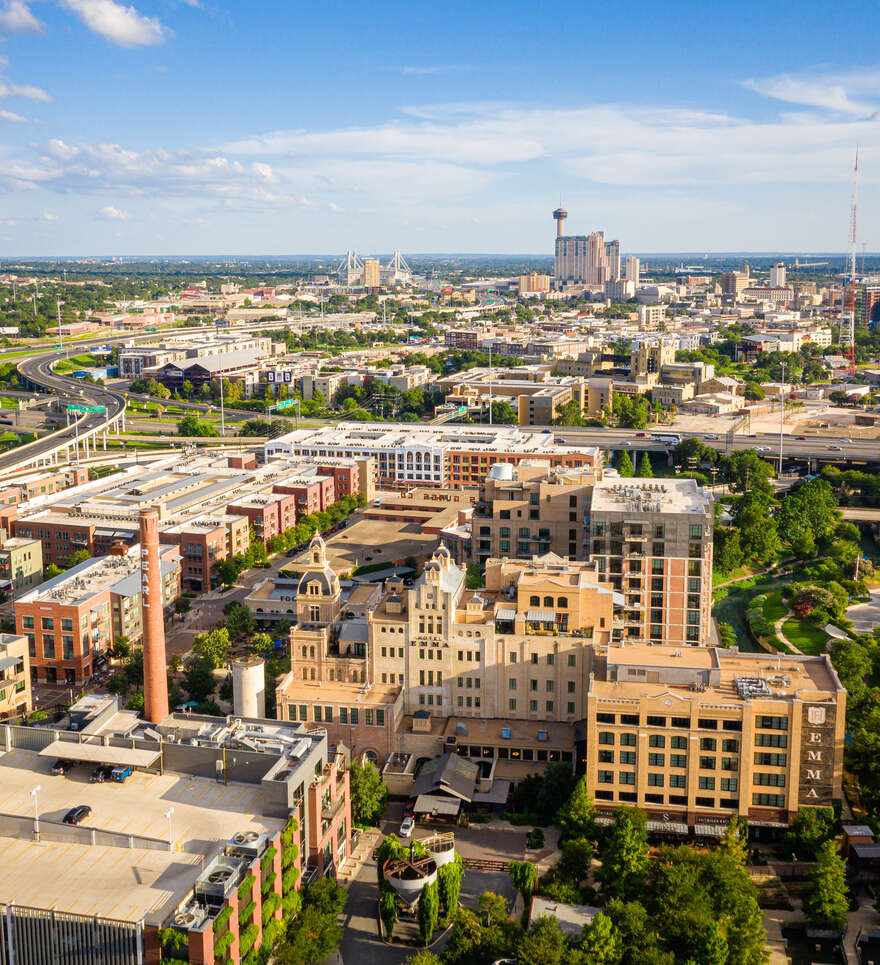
column 534, row 668
column 694, row 735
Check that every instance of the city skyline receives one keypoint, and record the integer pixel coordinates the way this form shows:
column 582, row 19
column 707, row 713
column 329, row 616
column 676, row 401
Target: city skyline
column 188, row 127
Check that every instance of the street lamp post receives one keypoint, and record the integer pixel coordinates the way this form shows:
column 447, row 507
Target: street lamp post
column 34, row 792
column 168, row 815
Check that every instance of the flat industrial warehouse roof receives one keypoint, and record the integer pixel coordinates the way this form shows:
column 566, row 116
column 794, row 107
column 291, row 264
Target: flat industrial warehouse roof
column 101, row 754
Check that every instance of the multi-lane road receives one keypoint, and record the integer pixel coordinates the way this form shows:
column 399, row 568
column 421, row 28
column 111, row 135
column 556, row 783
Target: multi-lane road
column 822, row 448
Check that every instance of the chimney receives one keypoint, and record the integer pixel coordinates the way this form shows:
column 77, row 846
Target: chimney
column 153, row 620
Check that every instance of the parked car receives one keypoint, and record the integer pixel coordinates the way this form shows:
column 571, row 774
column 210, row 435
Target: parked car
column 120, row 773
column 641, row 435
column 406, row 828
column 800, row 438
column 77, row 815
column 61, row 766
column 100, row 774
column 408, row 808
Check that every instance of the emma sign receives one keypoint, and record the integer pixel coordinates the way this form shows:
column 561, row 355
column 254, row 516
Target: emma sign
column 817, row 754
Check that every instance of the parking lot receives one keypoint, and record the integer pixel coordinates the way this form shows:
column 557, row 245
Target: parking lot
column 205, row 812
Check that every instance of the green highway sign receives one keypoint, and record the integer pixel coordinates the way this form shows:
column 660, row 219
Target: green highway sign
column 463, row 410
column 86, row 408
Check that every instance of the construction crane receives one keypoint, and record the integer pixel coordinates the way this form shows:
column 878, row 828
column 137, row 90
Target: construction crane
column 848, row 315
column 798, row 264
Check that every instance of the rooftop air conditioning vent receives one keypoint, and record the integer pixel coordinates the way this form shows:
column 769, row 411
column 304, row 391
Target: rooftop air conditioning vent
column 245, row 837
column 185, row 918
column 218, row 877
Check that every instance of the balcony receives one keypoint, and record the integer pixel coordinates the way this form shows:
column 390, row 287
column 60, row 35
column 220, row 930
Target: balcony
column 331, row 809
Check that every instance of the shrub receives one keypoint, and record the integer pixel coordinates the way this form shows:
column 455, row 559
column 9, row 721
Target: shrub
column 247, row 913
column 289, row 879
column 247, row 938
column 223, row 943
column 270, row 905
column 268, row 858
column 247, row 887
column 268, row 881
column 291, row 904
column 221, row 919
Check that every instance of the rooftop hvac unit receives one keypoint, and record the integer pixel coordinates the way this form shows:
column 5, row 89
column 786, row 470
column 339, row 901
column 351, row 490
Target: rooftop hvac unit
column 245, row 837
column 218, row 877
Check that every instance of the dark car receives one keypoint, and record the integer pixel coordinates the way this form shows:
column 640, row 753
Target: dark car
column 100, row 774
column 77, row 815
column 61, row 767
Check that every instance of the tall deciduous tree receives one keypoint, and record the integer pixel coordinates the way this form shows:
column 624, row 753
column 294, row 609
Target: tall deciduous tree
column 827, row 902
column 576, row 818
column 646, row 471
column 625, row 855
column 429, row 911
column 368, row 793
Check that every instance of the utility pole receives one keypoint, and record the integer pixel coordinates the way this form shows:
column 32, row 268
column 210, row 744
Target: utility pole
column 222, row 411
column 490, row 383
column 781, row 416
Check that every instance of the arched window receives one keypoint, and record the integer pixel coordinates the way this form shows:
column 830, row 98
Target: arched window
column 548, row 601
column 562, row 602
column 312, row 676
column 534, row 601
column 312, row 652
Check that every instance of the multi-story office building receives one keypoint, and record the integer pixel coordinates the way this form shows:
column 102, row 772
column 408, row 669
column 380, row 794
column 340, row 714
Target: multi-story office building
column 633, row 270
column 777, row 275
column 15, row 677
column 867, row 298
column 533, row 282
column 21, row 564
column 694, row 735
column 408, row 454
column 733, row 282
column 650, row 539
column 582, row 260
column 371, row 273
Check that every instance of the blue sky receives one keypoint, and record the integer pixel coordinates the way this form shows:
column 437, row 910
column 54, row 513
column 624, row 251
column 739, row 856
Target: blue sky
column 221, row 127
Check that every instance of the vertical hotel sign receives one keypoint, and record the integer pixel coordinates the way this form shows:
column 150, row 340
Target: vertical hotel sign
column 817, row 754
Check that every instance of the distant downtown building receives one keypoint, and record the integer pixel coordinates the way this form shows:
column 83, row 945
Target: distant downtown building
column 584, row 259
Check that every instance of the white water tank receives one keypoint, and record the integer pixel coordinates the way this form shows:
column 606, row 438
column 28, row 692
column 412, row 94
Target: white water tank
column 249, row 687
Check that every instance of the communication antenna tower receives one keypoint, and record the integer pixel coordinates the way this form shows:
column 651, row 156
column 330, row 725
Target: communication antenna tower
column 848, row 316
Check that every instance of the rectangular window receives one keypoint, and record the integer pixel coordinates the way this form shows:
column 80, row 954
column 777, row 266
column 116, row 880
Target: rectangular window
column 707, row 723
column 708, row 744
column 771, row 740
column 696, row 531
column 629, row 719
column 678, row 743
column 343, row 715
column 511, row 683
column 570, row 707
column 47, row 623
column 656, row 760
column 628, row 740
column 656, row 740
column 729, row 764
column 769, row 800
column 681, row 722
column 677, row 760
column 655, row 780
column 354, row 715
column 627, row 777
column 511, row 657
column 729, row 784
column 533, row 706
column 605, row 718
column 605, row 777
column 763, row 779
column 764, row 722
column 732, row 725
column 730, row 746
column 511, row 703
column 368, row 717
column 707, row 763
column 706, row 783
column 317, row 712
column 606, row 757
column 571, row 686
column 677, row 780
column 627, row 757
column 766, row 759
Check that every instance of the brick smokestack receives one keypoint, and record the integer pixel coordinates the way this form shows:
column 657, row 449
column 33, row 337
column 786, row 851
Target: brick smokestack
column 153, row 620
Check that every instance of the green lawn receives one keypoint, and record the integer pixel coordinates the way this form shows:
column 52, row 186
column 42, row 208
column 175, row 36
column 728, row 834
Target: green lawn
column 8, row 403
column 774, row 608
column 805, row 636
column 720, row 577
column 76, row 362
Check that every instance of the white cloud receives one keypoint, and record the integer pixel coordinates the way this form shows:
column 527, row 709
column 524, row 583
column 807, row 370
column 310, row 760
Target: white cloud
column 23, row 90
column 831, row 92
column 16, row 17
column 63, row 152
column 263, row 170
column 117, row 23
column 48, row 216
column 12, row 117
column 109, row 213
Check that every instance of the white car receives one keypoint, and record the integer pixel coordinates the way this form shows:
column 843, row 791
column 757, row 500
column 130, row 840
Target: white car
column 712, row 435
column 762, row 449
column 406, row 829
